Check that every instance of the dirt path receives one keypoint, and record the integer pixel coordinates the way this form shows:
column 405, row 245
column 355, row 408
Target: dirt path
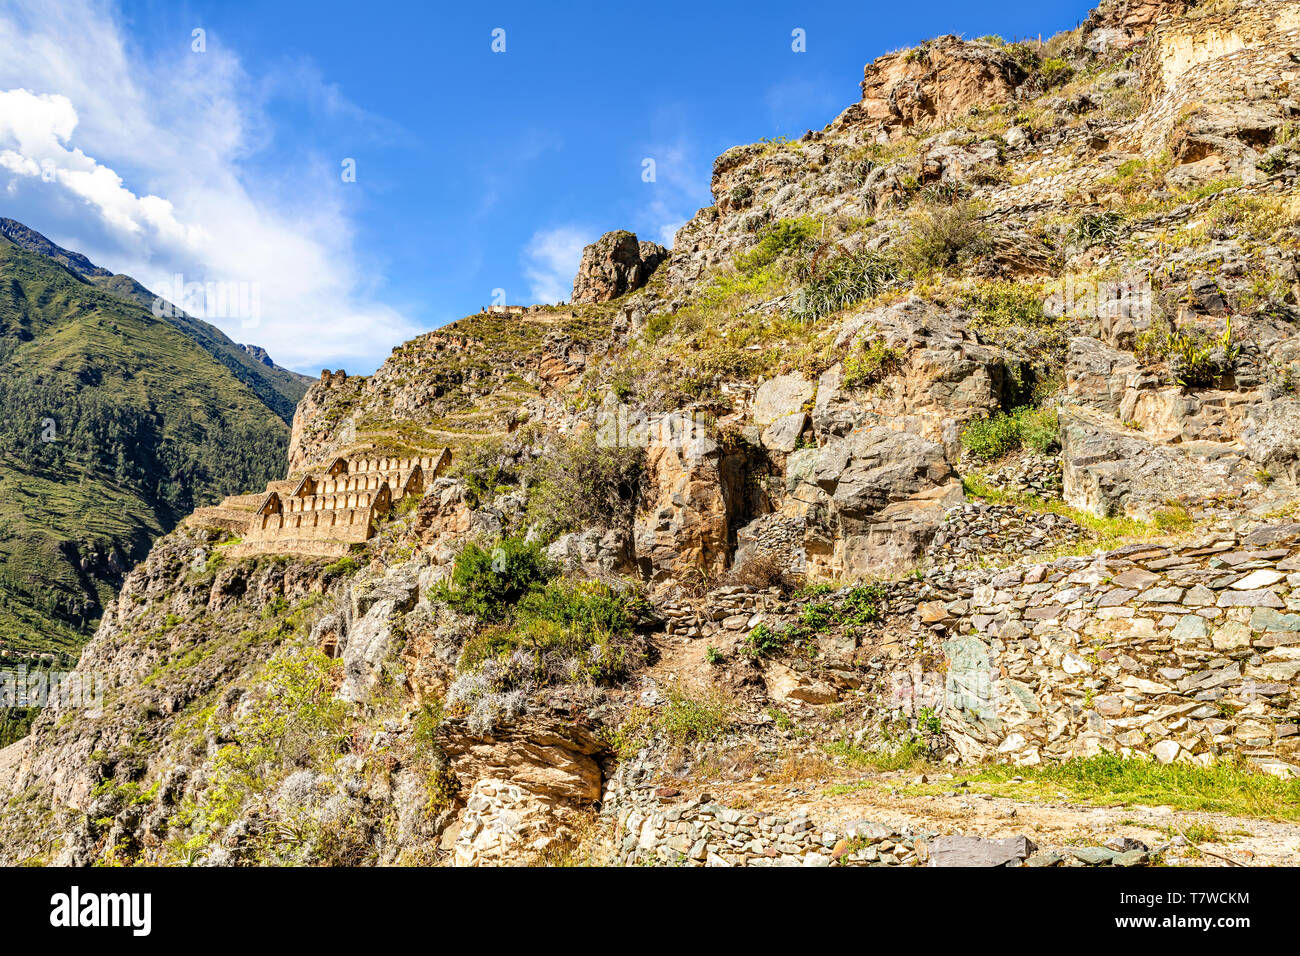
column 1240, row 840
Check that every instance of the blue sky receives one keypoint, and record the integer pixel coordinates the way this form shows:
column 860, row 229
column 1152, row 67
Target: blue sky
column 475, row 170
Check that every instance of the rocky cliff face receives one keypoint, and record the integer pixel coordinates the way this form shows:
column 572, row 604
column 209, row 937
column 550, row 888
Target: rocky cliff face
column 613, row 265
column 961, row 429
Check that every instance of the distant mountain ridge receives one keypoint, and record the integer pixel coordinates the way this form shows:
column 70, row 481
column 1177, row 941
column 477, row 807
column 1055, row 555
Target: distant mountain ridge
column 279, row 388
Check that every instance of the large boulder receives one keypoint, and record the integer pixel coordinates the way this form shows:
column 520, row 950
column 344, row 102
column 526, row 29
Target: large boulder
column 614, row 265
column 872, row 500
column 874, row 467
column 369, row 640
column 979, row 851
column 594, row 552
column 1098, row 376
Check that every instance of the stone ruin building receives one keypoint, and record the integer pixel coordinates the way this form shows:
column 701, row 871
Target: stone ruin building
column 323, row 512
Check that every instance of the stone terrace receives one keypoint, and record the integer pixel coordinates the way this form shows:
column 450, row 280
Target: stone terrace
column 325, row 511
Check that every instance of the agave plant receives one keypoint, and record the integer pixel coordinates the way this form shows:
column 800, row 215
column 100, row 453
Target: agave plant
column 1095, row 228
column 847, row 279
column 1199, row 360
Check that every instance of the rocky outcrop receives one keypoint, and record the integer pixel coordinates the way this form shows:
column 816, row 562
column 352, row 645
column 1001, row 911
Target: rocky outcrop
column 1220, row 87
column 594, row 553
column 872, row 500
column 933, row 83
column 614, row 265
column 683, row 524
column 1111, row 470
column 944, row 379
column 1117, row 25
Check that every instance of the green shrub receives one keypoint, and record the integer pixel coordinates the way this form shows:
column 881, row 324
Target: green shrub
column 577, row 484
column 741, row 194
column 488, row 583
column 693, row 718
column 862, row 605
column 940, row 237
column 1055, row 72
column 764, row 642
column 999, row 435
column 344, row 565
column 1012, row 314
column 485, row 468
column 873, row 364
column 782, row 239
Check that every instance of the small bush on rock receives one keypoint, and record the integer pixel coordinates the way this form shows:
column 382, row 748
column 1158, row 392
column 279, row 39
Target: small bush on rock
column 997, row 436
column 1096, row 228
column 940, row 237
column 488, row 582
column 1197, row 358
column 580, row 484
column 871, row 365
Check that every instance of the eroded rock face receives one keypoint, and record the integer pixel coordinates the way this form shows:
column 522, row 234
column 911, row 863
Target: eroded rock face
column 522, row 785
column 945, row 377
column 615, row 264
column 1097, row 375
column 1271, row 437
column 1110, row 470
column 781, row 396
column 1119, row 24
column 683, row 523
column 369, row 640
column 1220, row 86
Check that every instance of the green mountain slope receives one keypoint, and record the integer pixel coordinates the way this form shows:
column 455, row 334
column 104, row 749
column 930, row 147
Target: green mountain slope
column 279, row 388
column 114, row 424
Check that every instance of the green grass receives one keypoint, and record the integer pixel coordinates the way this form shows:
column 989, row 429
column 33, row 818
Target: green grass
column 687, row 716
column 905, row 756
column 1108, row 779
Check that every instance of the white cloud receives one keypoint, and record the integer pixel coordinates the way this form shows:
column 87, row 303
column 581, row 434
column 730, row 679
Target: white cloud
column 149, row 168
column 40, row 125
column 551, row 261
column 679, row 190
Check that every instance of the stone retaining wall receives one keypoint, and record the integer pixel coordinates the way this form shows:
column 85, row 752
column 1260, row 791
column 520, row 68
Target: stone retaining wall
column 1181, row 653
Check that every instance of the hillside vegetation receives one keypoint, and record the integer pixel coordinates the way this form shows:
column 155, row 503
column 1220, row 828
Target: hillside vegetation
column 114, row 424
